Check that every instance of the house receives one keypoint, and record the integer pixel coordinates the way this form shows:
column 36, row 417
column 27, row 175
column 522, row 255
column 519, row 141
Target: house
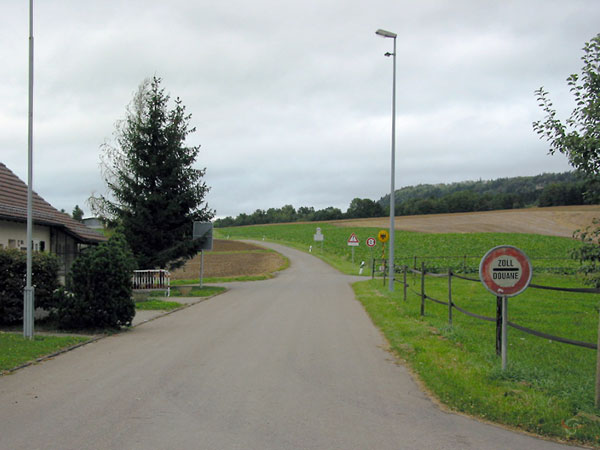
column 94, row 223
column 53, row 231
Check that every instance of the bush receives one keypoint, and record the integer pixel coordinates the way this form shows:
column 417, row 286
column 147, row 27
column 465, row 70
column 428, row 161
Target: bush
column 13, row 267
column 99, row 291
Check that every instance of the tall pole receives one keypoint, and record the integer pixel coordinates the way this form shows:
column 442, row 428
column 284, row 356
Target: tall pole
column 392, row 188
column 28, row 295
column 391, row 270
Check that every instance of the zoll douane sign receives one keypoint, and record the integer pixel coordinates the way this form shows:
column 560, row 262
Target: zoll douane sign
column 505, row 271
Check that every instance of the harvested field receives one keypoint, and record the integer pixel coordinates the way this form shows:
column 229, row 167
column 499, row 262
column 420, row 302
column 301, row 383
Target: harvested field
column 231, row 259
column 553, row 221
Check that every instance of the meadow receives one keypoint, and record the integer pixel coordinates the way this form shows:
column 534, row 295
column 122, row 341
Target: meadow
column 548, row 387
column 459, row 251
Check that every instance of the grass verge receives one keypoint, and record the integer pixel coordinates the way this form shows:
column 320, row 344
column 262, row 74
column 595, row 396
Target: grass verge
column 157, row 305
column 15, row 350
column 548, row 388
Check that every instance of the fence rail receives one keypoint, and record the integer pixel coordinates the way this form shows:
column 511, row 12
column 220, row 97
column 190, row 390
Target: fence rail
column 158, row 279
column 452, row 305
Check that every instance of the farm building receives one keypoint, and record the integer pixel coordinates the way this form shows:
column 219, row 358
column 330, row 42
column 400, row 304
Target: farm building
column 53, row 231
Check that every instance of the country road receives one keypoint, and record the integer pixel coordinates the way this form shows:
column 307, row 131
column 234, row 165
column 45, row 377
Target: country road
column 288, row 363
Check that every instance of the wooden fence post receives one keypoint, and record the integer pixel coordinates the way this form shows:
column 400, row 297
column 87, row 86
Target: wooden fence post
column 404, row 279
column 423, row 288
column 450, row 297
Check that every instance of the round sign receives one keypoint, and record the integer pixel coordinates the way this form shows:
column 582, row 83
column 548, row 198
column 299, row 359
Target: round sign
column 371, row 242
column 383, row 236
column 505, row 271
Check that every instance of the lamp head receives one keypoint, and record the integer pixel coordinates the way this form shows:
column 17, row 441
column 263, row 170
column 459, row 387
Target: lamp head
column 385, row 33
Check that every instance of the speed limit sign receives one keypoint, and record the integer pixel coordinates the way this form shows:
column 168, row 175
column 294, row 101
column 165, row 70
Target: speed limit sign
column 371, row 242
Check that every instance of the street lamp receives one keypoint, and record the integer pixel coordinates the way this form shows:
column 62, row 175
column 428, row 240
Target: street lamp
column 389, row 34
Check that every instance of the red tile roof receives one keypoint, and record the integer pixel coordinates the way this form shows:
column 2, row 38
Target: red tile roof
column 13, row 206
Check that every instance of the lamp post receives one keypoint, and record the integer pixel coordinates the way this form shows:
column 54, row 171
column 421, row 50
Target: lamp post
column 28, row 293
column 389, row 34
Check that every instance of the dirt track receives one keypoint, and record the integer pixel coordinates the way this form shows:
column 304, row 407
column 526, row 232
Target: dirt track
column 554, row 221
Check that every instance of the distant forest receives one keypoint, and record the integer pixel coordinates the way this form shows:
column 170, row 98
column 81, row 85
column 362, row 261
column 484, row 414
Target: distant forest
column 548, row 189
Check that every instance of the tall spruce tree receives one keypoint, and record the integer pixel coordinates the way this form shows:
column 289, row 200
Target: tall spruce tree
column 155, row 193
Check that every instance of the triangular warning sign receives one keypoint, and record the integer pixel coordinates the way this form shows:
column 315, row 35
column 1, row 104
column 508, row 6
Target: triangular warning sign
column 352, row 240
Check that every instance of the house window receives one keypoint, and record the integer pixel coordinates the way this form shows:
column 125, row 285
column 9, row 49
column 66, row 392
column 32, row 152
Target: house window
column 12, row 243
column 42, row 246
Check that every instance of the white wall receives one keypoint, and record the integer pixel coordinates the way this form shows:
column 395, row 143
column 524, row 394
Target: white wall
column 18, row 232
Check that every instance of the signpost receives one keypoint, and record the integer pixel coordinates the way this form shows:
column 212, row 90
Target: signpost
column 505, row 271
column 383, row 237
column 319, row 237
column 353, row 242
column 203, row 231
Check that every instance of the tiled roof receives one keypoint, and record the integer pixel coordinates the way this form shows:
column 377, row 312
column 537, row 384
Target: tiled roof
column 13, row 206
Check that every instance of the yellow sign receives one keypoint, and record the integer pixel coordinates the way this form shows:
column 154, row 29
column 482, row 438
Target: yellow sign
column 383, row 236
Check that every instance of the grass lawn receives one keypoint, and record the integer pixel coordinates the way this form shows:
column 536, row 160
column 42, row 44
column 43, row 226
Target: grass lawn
column 15, row 350
column 157, row 301
column 159, row 305
column 548, row 387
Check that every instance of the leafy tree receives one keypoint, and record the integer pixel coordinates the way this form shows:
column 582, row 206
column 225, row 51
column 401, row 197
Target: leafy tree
column 77, row 213
column 364, row 207
column 155, row 192
column 579, row 138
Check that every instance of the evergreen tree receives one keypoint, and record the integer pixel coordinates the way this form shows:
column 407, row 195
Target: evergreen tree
column 155, row 192
column 77, row 213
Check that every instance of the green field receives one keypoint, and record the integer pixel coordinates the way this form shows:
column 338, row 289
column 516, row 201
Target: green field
column 548, row 387
column 439, row 251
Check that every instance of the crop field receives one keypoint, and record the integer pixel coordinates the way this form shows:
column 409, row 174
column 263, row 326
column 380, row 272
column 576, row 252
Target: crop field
column 552, row 221
column 231, row 259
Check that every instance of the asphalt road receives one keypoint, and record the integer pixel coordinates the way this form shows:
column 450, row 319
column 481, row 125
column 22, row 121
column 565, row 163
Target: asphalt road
column 288, row 363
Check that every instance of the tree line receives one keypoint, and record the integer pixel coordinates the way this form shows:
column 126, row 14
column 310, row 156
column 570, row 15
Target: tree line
column 359, row 208
column 549, row 189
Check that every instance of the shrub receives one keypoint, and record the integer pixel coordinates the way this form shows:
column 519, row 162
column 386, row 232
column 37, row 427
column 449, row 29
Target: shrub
column 13, row 267
column 99, row 291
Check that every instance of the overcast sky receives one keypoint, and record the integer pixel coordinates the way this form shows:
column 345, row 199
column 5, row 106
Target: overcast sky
column 292, row 99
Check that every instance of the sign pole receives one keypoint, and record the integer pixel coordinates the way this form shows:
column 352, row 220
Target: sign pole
column 201, row 267
column 504, row 330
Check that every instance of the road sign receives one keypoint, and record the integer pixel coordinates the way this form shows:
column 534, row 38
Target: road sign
column 383, row 236
column 318, row 237
column 353, row 240
column 203, row 231
column 505, row 271
column 371, row 242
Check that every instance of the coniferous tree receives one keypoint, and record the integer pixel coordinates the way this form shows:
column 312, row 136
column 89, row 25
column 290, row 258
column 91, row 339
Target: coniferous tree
column 155, row 192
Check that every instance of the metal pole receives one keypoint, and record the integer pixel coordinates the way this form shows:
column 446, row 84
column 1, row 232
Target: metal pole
column 504, row 330
column 201, row 267
column 28, row 294
column 392, row 187
column 597, row 400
